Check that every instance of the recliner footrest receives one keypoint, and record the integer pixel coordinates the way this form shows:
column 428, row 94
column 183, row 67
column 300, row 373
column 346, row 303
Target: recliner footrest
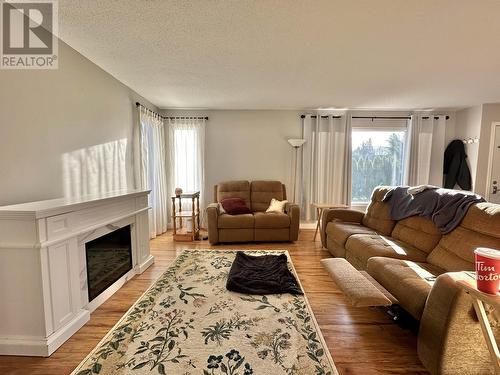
column 358, row 288
column 384, row 291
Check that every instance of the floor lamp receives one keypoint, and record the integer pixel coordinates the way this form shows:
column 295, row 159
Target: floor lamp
column 296, row 144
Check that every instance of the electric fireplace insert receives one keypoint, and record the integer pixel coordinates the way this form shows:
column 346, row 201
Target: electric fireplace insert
column 108, row 258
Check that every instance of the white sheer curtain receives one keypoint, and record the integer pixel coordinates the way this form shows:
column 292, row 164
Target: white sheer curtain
column 186, row 145
column 151, row 168
column 425, row 146
column 326, row 162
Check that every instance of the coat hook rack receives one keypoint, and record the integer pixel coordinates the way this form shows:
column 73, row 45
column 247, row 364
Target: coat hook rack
column 470, row 140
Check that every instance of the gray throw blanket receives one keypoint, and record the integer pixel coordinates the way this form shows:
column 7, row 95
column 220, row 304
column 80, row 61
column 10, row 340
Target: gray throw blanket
column 445, row 207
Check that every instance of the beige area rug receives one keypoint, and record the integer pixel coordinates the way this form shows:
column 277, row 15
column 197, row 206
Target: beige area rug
column 187, row 323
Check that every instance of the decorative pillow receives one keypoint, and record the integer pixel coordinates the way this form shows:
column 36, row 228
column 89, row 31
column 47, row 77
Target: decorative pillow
column 277, row 206
column 235, row 206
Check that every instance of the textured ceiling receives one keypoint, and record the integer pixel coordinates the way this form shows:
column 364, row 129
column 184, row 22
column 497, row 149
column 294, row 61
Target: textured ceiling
column 280, row 54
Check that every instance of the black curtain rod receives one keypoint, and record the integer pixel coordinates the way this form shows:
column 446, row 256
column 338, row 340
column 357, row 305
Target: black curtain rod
column 376, row 117
column 398, row 118
column 171, row 117
column 322, row 116
column 186, row 117
column 435, row 117
column 384, row 117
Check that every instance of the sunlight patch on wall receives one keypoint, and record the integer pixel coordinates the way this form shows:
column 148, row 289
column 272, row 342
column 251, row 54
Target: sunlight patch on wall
column 95, row 170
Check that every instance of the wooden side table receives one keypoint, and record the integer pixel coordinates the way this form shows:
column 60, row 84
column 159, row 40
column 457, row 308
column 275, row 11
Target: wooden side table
column 319, row 211
column 180, row 233
column 478, row 300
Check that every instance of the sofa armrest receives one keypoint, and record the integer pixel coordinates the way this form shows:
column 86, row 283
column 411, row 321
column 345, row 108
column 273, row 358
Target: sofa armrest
column 212, row 223
column 293, row 210
column 342, row 214
column 450, row 340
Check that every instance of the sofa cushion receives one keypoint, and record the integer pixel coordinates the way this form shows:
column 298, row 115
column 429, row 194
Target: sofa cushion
column 339, row 231
column 235, row 206
column 334, row 248
column 233, row 189
column 417, row 231
column 455, row 251
column 364, row 246
column 236, row 221
column 410, row 282
column 261, row 193
column 479, row 228
column 277, row 206
column 271, row 220
column 378, row 215
column 483, row 218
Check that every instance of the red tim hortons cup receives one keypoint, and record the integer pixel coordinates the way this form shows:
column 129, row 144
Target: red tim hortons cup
column 487, row 269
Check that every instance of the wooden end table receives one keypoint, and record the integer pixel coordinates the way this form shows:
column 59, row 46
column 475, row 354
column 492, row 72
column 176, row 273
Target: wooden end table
column 319, row 211
column 478, row 300
column 180, row 233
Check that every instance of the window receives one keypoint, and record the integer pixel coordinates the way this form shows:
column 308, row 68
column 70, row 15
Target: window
column 185, row 159
column 378, row 158
column 187, row 156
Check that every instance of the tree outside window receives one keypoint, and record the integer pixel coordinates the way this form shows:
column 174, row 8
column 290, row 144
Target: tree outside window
column 378, row 158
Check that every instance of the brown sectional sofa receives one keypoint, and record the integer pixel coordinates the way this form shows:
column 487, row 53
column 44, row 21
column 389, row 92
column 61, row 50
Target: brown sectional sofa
column 419, row 266
column 257, row 226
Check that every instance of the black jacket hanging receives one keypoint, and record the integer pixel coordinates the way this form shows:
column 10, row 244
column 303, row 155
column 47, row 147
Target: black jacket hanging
column 455, row 168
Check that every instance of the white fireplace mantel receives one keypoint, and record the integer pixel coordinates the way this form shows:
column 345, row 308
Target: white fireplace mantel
column 43, row 278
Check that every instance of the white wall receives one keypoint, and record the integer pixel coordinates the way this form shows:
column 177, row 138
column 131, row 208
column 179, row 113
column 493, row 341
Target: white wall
column 490, row 114
column 476, row 122
column 247, row 145
column 449, row 133
column 45, row 114
column 468, row 125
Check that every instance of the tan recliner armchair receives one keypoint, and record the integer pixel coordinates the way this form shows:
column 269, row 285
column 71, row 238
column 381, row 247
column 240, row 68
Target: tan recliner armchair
column 258, row 225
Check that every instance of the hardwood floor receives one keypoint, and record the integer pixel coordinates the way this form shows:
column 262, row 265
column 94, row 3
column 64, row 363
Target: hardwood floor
column 362, row 341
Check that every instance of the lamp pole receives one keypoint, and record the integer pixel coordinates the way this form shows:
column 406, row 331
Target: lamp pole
column 296, row 149
column 296, row 144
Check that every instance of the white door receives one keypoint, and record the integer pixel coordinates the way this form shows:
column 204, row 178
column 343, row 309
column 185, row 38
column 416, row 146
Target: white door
column 494, row 186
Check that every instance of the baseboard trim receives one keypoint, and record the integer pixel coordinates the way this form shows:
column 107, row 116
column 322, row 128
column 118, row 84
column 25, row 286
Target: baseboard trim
column 307, row 225
column 145, row 265
column 39, row 346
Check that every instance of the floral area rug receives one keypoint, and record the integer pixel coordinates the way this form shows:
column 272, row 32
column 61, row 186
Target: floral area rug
column 188, row 323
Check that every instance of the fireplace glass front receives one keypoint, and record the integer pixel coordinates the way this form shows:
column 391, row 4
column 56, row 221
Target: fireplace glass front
column 108, row 258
